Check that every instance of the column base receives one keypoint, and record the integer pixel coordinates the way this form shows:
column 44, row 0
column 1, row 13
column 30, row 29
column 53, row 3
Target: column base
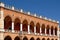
column 28, row 32
column 13, row 31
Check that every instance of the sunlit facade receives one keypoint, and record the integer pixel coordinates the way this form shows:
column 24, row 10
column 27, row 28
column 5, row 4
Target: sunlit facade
column 59, row 33
column 19, row 25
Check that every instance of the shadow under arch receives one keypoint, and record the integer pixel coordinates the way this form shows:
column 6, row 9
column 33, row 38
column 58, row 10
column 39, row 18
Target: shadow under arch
column 52, row 30
column 38, row 39
column 8, row 23
column 32, row 38
column 17, row 24
column 37, row 28
column 47, row 29
column 32, row 27
column 43, row 38
column 43, row 28
column 25, row 38
column 25, row 25
column 16, row 38
column 48, row 39
column 7, row 38
column 52, row 39
column 55, row 30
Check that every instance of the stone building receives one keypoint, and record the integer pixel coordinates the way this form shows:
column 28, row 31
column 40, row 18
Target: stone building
column 19, row 25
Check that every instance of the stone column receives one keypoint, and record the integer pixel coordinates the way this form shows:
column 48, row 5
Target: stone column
column 58, row 32
column 34, row 29
column 2, row 25
column 28, row 29
column 50, row 32
column 40, row 31
column 12, row 26
column 21, row 27
column 53, row 32
column 45, row 31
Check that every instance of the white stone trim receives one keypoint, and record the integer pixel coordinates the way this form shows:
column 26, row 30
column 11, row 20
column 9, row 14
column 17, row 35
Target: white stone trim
column 2, row 19
column 12, row 7
column 50, row 32
column 21, row 10
column 1, row 4
column 58, row 32
column 45, row 31
column 21, row 27
column 28, row 13
column 12, row 26
column 35, row 15
column 35, row 29
column 28, row 29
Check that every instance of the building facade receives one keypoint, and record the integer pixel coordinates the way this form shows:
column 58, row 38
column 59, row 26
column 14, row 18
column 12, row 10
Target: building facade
column 19, row 25
column 59, row 33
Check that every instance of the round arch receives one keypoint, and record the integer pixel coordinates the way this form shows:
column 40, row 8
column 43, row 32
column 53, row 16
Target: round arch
column 7, row 38
column 52, row 39
column 17, row 24
column 25, row 38
column 56, row 39
column 47, row 29
column 52, row 30
column 31, row 26
column 32, row 38
column 43, row 28
column 25, row 25
column 37, row 28
column 8, row 23
column 38, row 39
column 48, row 39
column 43, row 38
column 16, row 38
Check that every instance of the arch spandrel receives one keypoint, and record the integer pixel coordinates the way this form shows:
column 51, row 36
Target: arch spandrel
column 9, row 16
column 18, row 18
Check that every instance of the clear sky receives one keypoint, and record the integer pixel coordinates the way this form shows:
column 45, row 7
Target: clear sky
column 48, row 8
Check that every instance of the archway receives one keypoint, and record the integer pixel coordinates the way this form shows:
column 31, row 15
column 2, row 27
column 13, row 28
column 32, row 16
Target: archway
column 52, row 39
column 43, row 39
column 32, row 38
column 52, row 30
column 56, row 31
column 48, row 39
column 25, row 25
column 8, row 23
column 43, row 28
column 37, row 28
column 17, row 24
column 38, row 39
column 47, row 29
column 7, row 38
column 17, row 38
column 32, row 27
column 56, row 39
column 25, row 38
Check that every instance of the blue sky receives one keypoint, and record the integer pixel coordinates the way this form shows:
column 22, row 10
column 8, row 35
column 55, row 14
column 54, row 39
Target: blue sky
column 48, row 8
